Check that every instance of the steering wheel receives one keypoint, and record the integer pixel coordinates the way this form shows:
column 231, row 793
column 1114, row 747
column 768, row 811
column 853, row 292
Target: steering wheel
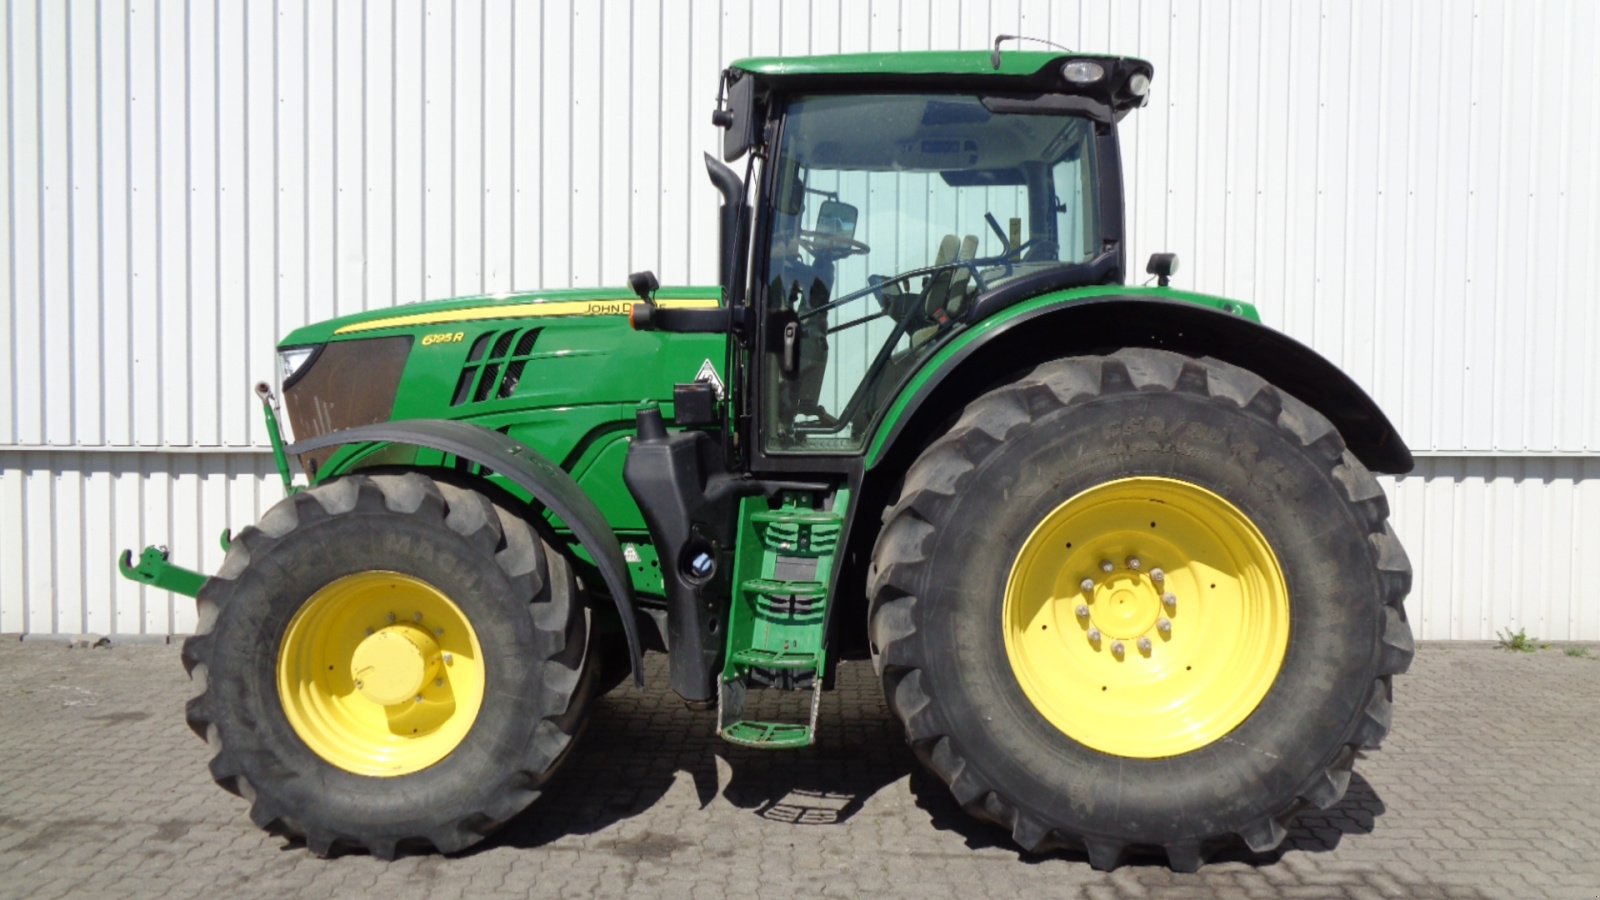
column 826, row 246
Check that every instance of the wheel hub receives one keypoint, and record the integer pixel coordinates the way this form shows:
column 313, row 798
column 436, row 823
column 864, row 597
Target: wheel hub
column 1092, row 624
column 381, row 674
column 1125, row 608
column 391, row 665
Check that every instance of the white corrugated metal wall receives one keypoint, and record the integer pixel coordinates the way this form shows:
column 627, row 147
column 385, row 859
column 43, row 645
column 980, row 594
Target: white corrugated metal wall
column 1410, row 187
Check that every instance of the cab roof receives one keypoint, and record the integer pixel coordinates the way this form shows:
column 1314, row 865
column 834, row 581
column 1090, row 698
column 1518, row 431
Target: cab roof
column 924, row 62
column 1027, row 71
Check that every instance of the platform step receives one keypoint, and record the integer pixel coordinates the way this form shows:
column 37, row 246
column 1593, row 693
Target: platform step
column 768, row 735
column 757, row 658
column 774, row 588
column 796, row 516
column 734, row 728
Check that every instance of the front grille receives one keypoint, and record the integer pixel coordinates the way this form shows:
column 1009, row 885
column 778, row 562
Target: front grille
column 346, row 385
column 494, row 366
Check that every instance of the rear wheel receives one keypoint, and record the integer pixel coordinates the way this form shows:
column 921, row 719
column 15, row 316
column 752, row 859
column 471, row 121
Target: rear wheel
column 388, row 663
column 1140, row 602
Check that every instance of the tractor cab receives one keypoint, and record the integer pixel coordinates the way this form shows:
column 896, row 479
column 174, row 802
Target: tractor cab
column 891, row 214
column 899, row 199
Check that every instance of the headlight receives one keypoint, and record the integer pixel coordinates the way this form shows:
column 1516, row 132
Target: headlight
column 294, row 359
column 1139, row 84
column 1082, row 71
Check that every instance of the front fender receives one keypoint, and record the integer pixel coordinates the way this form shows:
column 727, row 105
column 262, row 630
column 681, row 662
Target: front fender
column 524, row 467
column 998, row 348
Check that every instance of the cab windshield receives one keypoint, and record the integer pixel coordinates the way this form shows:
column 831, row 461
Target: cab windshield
column 890, row 215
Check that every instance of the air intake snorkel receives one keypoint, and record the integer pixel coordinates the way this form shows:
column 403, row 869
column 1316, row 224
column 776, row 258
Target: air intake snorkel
column 734, row 223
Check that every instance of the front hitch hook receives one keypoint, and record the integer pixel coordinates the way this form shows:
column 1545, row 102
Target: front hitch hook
column 154, row 569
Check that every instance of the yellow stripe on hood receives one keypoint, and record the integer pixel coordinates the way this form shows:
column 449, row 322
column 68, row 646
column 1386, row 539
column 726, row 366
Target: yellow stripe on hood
column 618, row 307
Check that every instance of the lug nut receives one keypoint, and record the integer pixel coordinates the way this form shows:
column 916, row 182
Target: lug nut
column 448, row 659
column 438, row 632
column 1094, row 635
column 1087, row 585
column 391, row 618
column 1134, row 563
column 416, row 617
column 1170, row 600
column 419, row 698
column 1144, row 645
column 1117, row 648
column 1164, row 626
column 438, row 682
column 1083, row 611
column 1107, row 567
column 369, row 631
column 358, row 685
column 1157, row 576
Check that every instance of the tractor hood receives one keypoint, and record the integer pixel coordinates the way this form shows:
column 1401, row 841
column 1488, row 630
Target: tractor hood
column 527, row 361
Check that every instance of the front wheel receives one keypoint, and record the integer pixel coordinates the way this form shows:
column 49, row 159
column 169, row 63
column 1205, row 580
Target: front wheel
column 1140, row 602
column 388, row 662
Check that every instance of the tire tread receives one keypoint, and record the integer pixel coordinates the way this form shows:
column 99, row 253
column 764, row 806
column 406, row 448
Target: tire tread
column 937, row 475
column 517, row 549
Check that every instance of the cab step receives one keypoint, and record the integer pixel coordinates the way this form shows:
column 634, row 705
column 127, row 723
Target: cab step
column 733, row 728
column 768, row 735
column 778, row 618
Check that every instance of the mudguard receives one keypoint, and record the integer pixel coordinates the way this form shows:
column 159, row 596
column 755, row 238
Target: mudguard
column 1029, row 334
column 524, row 467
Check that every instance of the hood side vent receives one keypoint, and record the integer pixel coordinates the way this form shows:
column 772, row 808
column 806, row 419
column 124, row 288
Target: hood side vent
column 508, row 384
column 469, row 374
column 493, row 373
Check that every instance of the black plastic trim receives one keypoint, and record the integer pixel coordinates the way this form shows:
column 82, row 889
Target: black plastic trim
column 1108, row 171
column 1050, row 104
column 316, row 352
column 652, row 317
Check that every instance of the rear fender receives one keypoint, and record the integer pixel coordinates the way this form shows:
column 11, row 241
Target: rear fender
column 998, row 350
column 524, row 467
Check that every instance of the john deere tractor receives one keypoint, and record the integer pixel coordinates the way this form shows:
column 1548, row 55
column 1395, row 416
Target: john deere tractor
column 1117, row 553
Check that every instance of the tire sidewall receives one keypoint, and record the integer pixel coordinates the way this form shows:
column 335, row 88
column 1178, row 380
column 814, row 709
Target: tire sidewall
column 1308, row 714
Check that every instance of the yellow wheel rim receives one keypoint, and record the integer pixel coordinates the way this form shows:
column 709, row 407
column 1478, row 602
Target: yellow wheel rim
column 380, row 674
column 1146, row 617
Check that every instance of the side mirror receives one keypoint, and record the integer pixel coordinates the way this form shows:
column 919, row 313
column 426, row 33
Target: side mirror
column 738, row 118
column 1163, row 266
column 837, row 218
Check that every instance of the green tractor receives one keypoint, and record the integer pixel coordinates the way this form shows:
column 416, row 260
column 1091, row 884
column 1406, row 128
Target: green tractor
column 1117, row 553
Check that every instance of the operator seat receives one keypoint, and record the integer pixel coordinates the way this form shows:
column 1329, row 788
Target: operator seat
column 941, row 288
column 947, row 294
column 956, row 301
